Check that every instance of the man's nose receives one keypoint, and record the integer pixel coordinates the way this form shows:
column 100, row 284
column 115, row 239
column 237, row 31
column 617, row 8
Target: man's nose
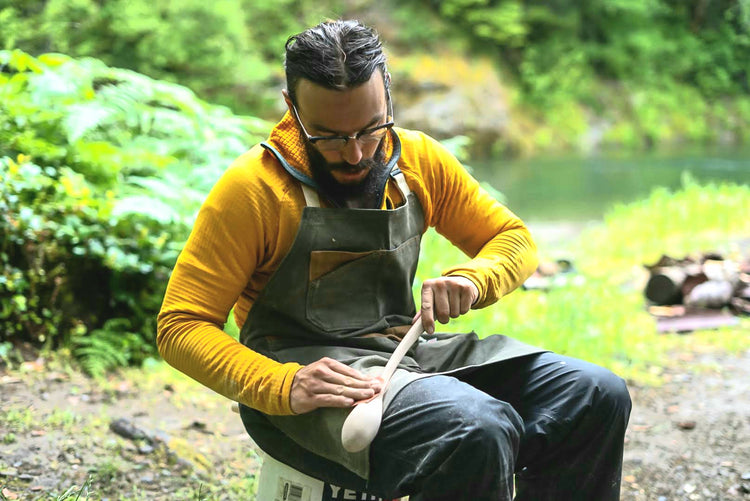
column 352, row 152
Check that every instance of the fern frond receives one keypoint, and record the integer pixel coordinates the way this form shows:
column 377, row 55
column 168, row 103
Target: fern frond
column 148, row 206
column 104, row 349
column 84, row 118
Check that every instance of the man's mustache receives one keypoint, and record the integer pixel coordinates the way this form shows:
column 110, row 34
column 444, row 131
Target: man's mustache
column 349, row 167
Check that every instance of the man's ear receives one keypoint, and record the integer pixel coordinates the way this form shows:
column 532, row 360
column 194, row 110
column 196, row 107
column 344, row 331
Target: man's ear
column 287, row 99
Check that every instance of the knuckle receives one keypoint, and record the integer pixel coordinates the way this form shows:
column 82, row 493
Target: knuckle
column 330, row 400
column 317, row 371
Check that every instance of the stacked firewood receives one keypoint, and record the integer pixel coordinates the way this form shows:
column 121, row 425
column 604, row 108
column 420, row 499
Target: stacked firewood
column 706, row 281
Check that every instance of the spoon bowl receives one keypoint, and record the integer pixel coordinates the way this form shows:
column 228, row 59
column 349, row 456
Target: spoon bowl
column 364, row 423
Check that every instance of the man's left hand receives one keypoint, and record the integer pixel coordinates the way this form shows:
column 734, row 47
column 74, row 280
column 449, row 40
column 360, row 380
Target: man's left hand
column 444, row 298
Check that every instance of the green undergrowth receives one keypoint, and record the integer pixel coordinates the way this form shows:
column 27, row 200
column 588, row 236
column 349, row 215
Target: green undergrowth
column 101, row 173
column 600, row 313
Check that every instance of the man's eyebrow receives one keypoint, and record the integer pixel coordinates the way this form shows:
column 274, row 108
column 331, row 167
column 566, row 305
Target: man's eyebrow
column 321, row 128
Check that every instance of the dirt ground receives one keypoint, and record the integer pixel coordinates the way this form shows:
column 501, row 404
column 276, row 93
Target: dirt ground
column 156, row 435
column 690, row 438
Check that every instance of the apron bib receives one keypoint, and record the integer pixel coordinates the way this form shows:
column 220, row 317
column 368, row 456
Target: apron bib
column 344, row 291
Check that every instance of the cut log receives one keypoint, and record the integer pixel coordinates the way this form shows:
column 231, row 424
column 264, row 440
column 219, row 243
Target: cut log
column 664, row 287
column 710, row 294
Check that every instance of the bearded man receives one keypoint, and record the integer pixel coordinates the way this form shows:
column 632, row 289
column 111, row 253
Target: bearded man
column 313, row 238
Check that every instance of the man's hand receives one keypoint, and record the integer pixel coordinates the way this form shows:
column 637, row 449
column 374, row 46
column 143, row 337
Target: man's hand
column 445, row 298
column 328, row 383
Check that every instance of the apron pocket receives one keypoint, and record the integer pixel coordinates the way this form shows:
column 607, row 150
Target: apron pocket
column 354, row 290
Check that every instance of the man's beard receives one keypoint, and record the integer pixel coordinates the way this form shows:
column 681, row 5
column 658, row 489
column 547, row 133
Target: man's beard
column 365, row 193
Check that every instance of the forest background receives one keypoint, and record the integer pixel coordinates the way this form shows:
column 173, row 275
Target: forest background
column 116, row 117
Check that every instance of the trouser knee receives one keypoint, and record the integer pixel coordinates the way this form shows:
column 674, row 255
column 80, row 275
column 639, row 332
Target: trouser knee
column 612, row 394
column 479, row 457
column 500, row 424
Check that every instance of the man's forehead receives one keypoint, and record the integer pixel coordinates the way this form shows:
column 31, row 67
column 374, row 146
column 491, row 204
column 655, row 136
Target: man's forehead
column 307, row 87
column 342, row 111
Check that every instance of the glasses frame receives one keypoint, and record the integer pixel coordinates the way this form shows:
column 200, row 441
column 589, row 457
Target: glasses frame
column 356, row 136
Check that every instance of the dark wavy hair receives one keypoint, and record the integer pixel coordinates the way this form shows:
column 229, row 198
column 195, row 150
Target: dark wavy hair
column 334, row 54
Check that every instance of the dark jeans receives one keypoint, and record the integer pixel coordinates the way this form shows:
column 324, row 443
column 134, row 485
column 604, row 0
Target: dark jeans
column 558, row 423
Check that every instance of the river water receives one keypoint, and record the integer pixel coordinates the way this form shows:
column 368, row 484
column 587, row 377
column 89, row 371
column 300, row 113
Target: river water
column 560, row 195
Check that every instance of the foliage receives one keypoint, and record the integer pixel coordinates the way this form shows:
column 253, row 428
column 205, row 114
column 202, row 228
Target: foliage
column 155, row 38
column 227, row 51
column 557, row 47
column 101, row 173
column 102, row 169
column 70, row 265
column 645, row 72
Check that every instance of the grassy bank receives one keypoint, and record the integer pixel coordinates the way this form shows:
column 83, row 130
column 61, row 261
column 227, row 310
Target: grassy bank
column 600, row 315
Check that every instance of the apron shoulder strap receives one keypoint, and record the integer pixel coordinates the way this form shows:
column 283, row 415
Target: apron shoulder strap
column 398, row 176
column 396, row 173
column 312, row 199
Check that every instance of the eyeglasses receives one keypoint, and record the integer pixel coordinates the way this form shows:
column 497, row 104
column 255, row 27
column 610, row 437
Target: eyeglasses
column 366, row 137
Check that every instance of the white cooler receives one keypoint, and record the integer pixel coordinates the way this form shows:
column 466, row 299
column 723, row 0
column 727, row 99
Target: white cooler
column 279, row 482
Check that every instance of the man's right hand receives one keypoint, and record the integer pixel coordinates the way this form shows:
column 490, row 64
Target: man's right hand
column 329, row 383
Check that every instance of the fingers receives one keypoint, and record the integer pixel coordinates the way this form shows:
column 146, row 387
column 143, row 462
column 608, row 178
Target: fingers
column 467, row 300
column 445, row 298
column 427, row 310
column 329, row 383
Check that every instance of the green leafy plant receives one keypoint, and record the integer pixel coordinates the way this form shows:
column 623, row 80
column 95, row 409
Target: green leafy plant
column 101, row 173
column 107, row 348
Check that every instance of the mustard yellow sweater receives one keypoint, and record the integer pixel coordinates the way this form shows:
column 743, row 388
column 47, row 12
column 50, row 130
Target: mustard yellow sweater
column 247, row 224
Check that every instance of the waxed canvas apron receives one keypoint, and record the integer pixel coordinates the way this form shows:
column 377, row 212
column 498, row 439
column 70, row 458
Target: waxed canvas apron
column 344, row 291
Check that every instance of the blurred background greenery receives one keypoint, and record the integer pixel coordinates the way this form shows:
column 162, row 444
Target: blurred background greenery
column 557, row 75
column 116, row 117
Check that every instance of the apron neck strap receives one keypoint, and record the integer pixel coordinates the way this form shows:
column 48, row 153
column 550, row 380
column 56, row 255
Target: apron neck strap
column 302, row 178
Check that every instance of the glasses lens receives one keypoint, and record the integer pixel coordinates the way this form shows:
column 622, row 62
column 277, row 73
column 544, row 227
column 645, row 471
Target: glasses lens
column 330, row 144
column 373, row 136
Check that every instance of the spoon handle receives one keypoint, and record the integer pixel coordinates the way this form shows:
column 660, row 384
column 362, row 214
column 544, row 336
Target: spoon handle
column 411, row 336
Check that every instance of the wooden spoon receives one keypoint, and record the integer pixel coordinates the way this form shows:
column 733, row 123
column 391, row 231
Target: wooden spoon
column 363, row 421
